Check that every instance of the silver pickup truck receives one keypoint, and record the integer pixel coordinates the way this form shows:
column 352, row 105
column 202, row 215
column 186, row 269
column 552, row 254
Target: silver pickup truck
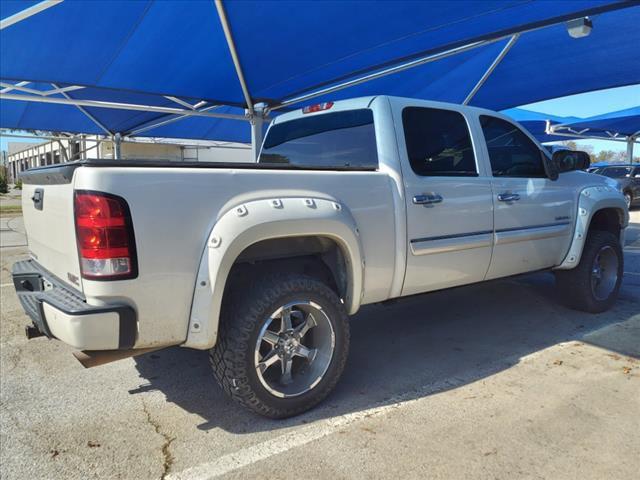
column 351, row 203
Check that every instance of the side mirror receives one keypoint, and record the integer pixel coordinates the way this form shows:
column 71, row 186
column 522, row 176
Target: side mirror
column 549, row 167
column 569, row 160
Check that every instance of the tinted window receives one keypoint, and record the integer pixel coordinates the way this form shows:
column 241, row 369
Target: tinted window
column 438, row 142
column 511, row 152
column 340, row 139
column 616, row 172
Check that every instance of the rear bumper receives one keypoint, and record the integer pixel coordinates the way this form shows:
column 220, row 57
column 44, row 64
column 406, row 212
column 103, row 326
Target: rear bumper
column 61, row 312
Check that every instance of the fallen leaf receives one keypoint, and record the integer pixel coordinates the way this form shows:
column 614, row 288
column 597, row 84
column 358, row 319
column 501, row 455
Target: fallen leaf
column 92, row 444
column 54, row 453
column 626, row 370
column 558, row 362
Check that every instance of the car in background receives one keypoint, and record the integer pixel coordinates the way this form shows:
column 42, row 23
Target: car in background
column 628, row 177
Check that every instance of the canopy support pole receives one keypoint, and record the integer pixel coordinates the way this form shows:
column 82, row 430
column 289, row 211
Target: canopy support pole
column 491, row 68
column 150, row 126
column 234, row 54
column 117, row 146
column 257, row 125
column 630, row 143
column 119, row 106
column 28, row 12
column 83, row 110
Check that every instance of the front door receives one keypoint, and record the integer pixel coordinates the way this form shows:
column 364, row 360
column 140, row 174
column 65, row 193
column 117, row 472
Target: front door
column 448, row 200
column 533, row 214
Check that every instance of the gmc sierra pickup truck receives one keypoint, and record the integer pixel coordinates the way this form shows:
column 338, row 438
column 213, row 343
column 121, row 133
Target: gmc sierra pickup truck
column 350, row 203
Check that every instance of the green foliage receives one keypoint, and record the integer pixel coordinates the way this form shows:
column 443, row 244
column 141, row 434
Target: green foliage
column 19, row 184
column 4, row 188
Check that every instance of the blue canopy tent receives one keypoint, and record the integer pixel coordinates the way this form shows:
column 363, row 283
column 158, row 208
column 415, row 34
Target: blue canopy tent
column 537, row 123
column 623, row 125
column 620, row 126
column 196, row 69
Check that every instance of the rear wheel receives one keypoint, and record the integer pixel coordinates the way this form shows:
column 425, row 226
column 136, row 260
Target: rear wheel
column 594, row 284
column 283, row 345
column 628, row 198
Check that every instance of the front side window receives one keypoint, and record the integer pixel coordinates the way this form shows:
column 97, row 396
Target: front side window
column 511, row 152
column 339, row 139
column 438, row 142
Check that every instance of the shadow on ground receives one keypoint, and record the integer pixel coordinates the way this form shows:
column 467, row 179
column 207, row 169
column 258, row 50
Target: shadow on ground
column 413, row 348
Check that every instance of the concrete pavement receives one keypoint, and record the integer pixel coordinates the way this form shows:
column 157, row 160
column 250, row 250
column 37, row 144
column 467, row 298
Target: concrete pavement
column 497, row 380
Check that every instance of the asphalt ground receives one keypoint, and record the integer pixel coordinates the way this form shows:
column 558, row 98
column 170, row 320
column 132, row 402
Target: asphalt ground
column 497, row 380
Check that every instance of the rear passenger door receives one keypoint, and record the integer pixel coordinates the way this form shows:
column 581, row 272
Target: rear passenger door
column 533, row 214
column 448, row 200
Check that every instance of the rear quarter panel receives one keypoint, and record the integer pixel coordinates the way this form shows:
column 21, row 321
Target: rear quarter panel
column 173, row 211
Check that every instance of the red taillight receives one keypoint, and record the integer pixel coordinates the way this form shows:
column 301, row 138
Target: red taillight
column 317, row 108
column 105, row 236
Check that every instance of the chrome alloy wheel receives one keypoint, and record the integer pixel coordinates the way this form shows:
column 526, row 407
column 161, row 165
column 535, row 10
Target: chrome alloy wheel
column 294, row 349
column 604, row 273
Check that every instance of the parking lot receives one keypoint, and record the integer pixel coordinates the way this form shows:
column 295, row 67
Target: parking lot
column 497, row 380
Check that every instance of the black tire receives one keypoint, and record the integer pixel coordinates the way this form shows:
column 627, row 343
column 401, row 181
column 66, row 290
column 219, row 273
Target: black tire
column 243, row 316
column 575, row 285
column 628, row 198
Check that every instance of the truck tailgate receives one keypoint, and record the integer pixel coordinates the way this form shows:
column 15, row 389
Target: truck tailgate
column 47, row 207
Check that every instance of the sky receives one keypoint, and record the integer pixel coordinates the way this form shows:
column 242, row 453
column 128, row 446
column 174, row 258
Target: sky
column 582, row 105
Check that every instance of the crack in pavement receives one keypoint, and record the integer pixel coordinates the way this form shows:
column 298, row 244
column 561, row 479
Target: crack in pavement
column 168, row 440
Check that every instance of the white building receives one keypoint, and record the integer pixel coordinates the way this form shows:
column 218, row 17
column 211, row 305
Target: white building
column 23, row 156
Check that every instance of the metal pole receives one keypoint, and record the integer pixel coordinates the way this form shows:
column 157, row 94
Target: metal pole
column 234, row 54
column 385, row 72
column 630, row 142
column 119, row 106
column 91, row 117
column 28, row 12
column 140, row 129
column 257, row 124
column 491, row 68
column 117, row 146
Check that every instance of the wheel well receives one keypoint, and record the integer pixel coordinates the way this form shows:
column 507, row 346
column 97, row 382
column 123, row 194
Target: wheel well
column 608, row 220
column 320, row 257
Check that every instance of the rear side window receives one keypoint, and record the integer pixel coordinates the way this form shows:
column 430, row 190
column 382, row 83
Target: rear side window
column 511, row 151
column 340, row 139
column 438, row 142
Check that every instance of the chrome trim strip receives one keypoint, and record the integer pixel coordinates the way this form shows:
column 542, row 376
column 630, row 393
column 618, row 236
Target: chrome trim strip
column 503, row 237
column 428, row 246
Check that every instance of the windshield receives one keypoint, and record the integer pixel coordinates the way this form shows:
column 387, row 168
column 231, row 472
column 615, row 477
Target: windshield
column 616, row 172
column 340, row 139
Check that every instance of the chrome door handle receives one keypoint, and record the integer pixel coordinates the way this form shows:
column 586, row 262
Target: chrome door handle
column 508, row 197
column 427, row 199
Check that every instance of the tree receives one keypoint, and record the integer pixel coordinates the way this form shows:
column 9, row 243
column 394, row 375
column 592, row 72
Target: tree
column 570, row 144
column 4, row 188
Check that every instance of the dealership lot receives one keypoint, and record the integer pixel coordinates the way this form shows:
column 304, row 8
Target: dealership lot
column 497, row 380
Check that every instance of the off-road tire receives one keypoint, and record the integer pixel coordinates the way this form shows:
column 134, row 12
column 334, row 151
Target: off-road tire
column 242, row 317
column 575, row 285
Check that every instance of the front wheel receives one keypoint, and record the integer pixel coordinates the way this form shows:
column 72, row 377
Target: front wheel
column 628, row 199
column 594, row 284
column 283, row 345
